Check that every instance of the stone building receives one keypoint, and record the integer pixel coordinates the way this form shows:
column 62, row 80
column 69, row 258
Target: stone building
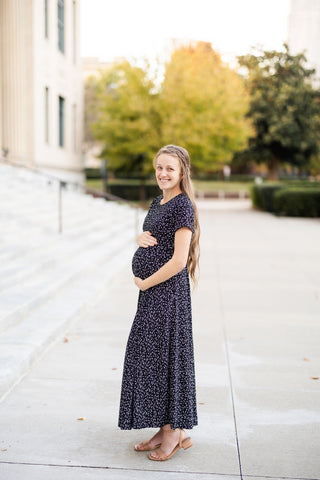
column 41, row 85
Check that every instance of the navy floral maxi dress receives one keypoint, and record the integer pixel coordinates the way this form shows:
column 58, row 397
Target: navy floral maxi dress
column 158, row 383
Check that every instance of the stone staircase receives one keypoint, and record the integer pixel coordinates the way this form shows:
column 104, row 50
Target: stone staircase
column 49, row 279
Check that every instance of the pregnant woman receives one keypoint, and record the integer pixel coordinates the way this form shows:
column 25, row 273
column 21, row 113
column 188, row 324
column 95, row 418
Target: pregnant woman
column 158, row 384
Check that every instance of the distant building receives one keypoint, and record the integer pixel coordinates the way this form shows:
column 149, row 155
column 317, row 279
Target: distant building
column 92, row 66
column 304, row 30
column 41, row 84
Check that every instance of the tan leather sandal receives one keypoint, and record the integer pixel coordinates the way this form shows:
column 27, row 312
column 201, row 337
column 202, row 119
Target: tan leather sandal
column 183, row 443
column 146, row 447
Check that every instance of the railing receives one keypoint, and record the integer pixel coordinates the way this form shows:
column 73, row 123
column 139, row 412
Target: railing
column 76, row 186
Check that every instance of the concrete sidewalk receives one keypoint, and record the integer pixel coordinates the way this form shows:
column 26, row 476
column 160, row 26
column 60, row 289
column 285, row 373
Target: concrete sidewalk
column 256, row 332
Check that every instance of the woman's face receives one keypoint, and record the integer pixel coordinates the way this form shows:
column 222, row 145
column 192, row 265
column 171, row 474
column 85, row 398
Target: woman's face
column 168, row 172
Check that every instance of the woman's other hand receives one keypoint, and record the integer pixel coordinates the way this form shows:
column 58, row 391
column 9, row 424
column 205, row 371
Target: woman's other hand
column 146, row 240
column 140, row 283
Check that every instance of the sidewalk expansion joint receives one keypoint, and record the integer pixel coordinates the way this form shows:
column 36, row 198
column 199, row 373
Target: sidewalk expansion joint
column 97, row 467
column 269, row 477
column 224, row 330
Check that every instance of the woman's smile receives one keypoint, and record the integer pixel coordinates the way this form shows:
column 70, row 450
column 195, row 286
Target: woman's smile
column 164, row 180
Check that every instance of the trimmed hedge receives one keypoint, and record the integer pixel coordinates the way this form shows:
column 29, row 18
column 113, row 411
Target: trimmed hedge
column 241, row 177
column 262, row 195
column 95, row 174
column 132, row 192
column 301, row 199
column 298, row 202
column 302, row 184
column 92, row 173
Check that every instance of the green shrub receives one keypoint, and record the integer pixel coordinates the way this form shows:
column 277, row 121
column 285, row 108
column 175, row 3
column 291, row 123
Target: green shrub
column 132, row 192
column 302, row 202
column 302, row 183
column 297, row 202
column 92, row 173
column 262, row 195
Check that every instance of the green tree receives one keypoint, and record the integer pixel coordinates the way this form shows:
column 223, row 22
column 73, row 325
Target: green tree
column 204, row 104
column 284, row 109
column 128, row 118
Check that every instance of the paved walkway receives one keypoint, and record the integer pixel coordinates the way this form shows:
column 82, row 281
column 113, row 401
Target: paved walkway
column 257, row 335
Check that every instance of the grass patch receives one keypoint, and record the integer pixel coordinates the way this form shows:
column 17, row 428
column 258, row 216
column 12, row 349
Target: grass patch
column 95, row 184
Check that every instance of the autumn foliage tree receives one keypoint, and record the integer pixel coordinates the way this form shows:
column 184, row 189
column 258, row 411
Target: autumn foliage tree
column 128, row 119
column 203, row 106
column 284, row 109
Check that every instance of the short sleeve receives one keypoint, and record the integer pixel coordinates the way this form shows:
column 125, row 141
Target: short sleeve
column 184, row 215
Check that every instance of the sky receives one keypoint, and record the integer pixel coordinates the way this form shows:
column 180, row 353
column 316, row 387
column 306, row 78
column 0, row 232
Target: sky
column 145, row 28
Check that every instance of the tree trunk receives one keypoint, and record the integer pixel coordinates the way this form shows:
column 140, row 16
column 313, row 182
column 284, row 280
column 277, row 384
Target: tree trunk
column 273, row 165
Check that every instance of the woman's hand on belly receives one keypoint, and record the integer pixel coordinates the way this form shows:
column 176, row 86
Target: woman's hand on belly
column 146, row 240
column 139, row 282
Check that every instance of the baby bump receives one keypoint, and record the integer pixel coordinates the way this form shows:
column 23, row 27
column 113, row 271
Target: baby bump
column 147, row 261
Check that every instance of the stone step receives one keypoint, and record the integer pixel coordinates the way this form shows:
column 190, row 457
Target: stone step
column 23, row 343
column 48, row 256
column 49, row 279
column 82, row 228
column 20, row 299
column 47, row 220
column 47, row 215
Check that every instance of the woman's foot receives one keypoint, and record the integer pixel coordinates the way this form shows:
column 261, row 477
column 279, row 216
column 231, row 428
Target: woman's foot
column 151, row 444
column 172, row 441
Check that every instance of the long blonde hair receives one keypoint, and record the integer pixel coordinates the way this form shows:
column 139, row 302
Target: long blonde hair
column 187, row 188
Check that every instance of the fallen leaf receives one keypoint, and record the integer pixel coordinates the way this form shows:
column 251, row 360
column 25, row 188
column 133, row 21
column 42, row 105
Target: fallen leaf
column 314, row 378
column 114, row 368
column 81, row 418
column 306, row 359
column 201, row 403
column 3, row 449
column 65, row 340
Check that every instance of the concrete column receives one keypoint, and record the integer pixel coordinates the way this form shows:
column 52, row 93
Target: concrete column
column 17, row 78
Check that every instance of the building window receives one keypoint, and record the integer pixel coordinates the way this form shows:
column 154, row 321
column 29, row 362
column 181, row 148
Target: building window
column 46, row 113
column 61, row 121
column 74, row 25
column 46, row 19
column 61, row 25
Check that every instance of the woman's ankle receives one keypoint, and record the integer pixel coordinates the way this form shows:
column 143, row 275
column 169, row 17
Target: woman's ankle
column 168, row 429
